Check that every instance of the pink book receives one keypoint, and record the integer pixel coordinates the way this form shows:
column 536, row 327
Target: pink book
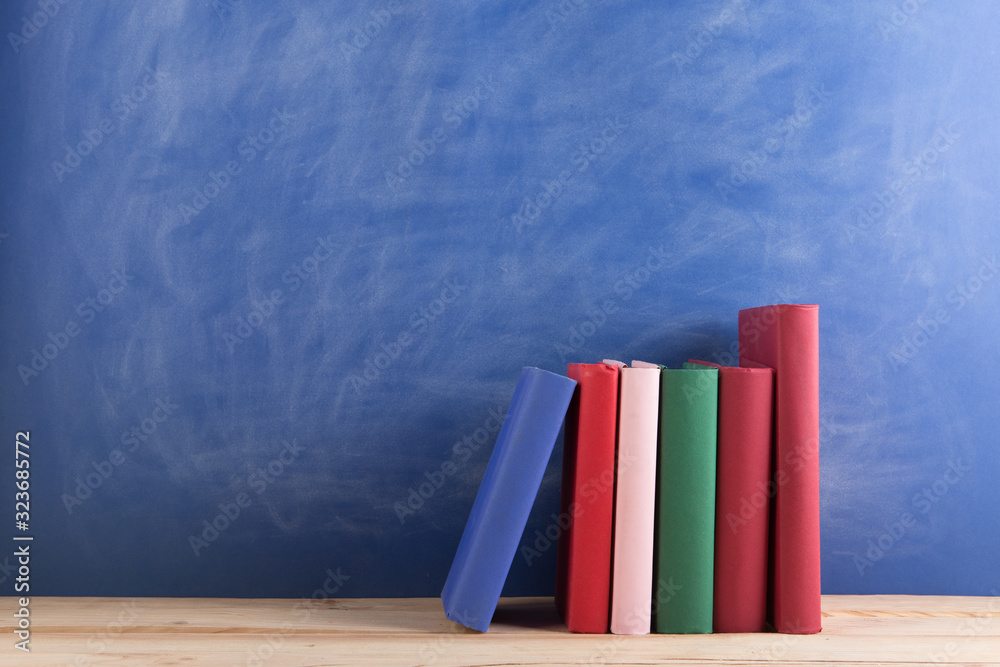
column 635, row 495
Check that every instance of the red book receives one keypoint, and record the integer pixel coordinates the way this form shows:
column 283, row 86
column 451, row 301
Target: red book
column 742, row 498
column 583, row 562
column 786, row 338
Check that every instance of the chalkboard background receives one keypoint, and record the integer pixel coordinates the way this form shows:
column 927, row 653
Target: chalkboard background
column 280, row 259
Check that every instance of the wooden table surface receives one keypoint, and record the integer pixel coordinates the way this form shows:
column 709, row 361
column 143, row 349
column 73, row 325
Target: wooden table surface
column 858, row 630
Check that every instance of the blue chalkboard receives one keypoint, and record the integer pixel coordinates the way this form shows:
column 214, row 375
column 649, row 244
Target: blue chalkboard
column 270, row 270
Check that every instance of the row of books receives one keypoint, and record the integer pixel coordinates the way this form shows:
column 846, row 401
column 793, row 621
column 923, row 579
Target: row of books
column 690, row 496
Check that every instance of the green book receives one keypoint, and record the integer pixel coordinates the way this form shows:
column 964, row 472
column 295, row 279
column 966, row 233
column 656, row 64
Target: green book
column 685, row 512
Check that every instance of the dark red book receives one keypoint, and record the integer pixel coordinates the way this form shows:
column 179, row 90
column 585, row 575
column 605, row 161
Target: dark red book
column 583, row 561
column 742, row 498
column 786, row 338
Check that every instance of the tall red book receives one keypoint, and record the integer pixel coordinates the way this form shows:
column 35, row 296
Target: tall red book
column 583, row 560
column 742, row 498
column 786, row 338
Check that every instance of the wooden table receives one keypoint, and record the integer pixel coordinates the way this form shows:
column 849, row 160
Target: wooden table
column 858, row 630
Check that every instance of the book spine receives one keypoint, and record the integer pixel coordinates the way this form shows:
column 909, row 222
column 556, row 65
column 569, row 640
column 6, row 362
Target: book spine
column 583, row 577
column 685, row 540
column 743, row 499
column 635, row 501
column 505, row 497
column 786, row 338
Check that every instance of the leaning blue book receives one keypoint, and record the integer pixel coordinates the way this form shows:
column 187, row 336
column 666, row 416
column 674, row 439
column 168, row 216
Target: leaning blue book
column 506, row 494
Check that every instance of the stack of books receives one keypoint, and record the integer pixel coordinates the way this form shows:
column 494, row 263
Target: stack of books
column 689, row 499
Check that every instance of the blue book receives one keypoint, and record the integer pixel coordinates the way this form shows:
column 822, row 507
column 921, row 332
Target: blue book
column 500, row 511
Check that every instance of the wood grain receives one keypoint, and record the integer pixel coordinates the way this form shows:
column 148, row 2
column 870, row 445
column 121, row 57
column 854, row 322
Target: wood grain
column 858, row 630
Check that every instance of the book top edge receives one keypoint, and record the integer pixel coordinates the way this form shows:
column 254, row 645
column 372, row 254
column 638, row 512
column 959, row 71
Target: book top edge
column 734, row 369
column 785, row 306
